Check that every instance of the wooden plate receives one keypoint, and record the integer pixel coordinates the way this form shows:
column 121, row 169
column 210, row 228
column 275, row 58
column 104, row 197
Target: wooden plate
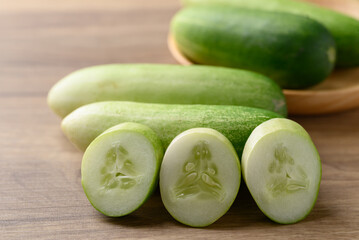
column 339, row 92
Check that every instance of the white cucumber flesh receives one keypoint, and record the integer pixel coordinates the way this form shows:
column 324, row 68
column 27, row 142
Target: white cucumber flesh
column 120, row 168
column 199, row 177
column 282, row 170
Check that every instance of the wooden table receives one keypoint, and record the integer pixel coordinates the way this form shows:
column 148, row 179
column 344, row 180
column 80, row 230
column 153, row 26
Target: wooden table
column 40, row 192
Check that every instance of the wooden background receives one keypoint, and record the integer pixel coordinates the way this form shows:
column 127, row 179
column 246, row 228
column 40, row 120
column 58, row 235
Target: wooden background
column 40, row 192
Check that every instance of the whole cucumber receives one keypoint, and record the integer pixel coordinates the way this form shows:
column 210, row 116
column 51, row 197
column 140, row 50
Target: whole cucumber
column 172, row 84
column 294, row 51
column 167, row 120
column 344, row 29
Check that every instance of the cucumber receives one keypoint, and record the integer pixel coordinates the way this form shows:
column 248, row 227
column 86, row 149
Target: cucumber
column 157, row 83
column 200, row 177
column 282, row 170
column 120, row 168
column 167, row 120
column 293, row 50
column 344, row 29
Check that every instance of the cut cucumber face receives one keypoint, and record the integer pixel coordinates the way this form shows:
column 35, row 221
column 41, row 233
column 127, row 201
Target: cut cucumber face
column 282, row 170
column 120, row 168
column 199, row 177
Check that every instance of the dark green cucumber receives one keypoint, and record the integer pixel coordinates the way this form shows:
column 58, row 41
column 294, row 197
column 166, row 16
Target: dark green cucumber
column 293, row 50
column 168, row 120
column 173, row 84
column 344, row 29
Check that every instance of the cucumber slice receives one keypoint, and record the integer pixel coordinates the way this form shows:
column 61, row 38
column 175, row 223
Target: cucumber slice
column 282, row 170
column 199, row 177
column 120, row 168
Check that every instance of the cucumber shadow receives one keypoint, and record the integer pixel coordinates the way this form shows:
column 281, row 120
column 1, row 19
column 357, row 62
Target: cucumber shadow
column 151, row 214
column 244, row 214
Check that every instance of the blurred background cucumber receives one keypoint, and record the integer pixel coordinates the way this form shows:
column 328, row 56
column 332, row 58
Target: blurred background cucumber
column 295, row 51
column 344, row 29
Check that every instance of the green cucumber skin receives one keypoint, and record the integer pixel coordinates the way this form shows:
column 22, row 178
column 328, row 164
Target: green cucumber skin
column 343, row 28
column 167, row 120
column 172, row 84
column 135, row 128
column 293, row 50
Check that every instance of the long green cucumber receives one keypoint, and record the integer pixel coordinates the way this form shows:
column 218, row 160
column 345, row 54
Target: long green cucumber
column 172, row 84
column 167, row 120
column 344, row 29
column 294, row 51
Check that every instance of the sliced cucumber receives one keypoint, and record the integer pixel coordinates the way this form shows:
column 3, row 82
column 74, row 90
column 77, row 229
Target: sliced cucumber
column 282, row 170
column 199, row 177
column 120, row 168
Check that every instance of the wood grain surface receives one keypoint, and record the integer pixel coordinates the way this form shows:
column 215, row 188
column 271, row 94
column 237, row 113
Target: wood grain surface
column 40, row 191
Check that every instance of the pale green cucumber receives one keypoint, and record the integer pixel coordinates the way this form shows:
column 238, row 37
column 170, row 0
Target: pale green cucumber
column 200, row 177
column 167, row 120
column 171, row 84
column 344, row 29
column 120, row 168
column 282, row 170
